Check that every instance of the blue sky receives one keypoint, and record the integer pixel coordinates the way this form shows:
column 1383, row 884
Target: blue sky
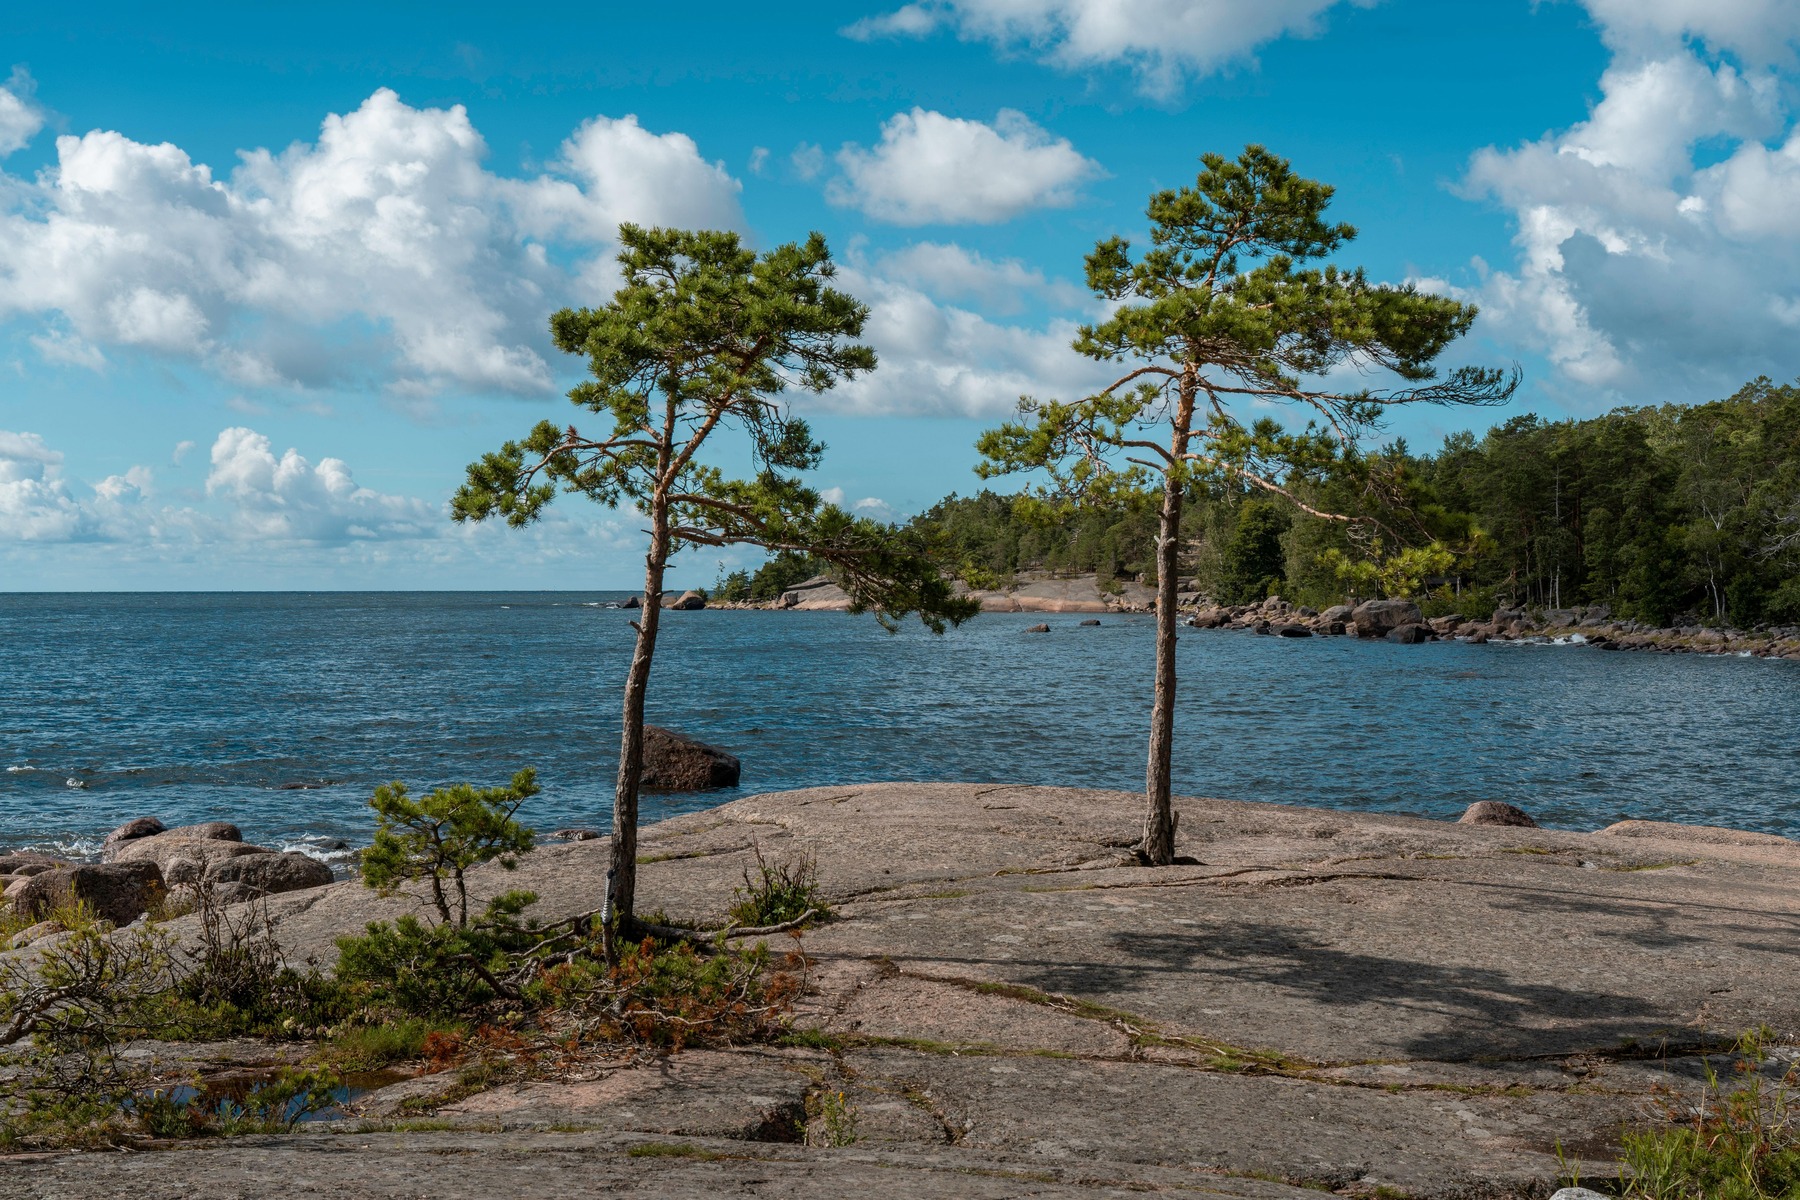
column 271, row 275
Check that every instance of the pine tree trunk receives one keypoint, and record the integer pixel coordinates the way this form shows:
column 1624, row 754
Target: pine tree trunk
column 1158, row 848
column 621, row 880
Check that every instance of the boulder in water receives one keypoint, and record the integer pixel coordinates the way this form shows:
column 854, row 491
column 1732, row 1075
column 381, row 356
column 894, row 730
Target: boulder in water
column 130, row 831
column 181, row 859
column 674, row 762
column 1496, row 812
column 1378, row 618
column 271, row 873
column 1410, row 634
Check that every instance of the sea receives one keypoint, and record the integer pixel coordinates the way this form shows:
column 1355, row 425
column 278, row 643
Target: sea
column 282, row 711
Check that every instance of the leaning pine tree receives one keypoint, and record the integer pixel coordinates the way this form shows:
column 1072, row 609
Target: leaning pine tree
column 705, row 335
column 1219, row 317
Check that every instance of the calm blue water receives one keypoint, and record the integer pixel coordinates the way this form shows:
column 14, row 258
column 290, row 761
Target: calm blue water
column 201, row 707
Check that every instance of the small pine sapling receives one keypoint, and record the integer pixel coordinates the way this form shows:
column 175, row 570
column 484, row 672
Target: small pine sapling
column 439, row 836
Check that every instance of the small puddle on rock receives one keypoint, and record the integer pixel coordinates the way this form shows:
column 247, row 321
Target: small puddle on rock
column 238, row 1087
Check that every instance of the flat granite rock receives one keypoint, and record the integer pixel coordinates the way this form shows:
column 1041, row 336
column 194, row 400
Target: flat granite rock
column 1326, row 999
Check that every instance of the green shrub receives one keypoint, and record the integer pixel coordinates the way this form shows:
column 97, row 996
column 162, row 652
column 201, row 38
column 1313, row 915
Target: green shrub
column 1739, row 1143
column 669, row 996
column 358, row 1048
column 778, row 892
column 438, row 837
column 447, row 970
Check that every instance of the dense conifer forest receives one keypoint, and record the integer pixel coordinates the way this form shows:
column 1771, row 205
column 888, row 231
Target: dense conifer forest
column 1673, row 514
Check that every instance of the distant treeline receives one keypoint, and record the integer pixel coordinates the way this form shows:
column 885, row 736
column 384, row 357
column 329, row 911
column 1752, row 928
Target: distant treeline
column 1663, row 514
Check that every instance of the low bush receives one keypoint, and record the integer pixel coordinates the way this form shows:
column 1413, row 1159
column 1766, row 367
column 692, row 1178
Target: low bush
column 491, row 994
column 1736, row 1143
column 778, row 892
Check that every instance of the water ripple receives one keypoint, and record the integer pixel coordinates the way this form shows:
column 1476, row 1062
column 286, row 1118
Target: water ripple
column 208, row 707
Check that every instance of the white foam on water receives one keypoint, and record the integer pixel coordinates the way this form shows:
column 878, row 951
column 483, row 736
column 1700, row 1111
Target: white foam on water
column 15, row 770
column 325, row 849
column 72, row 848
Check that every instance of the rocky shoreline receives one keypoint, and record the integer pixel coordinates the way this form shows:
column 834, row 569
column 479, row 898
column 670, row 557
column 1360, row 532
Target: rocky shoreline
column 1401, row 621
column 1392, row 620
column 146, row 868
column 1005, row 1005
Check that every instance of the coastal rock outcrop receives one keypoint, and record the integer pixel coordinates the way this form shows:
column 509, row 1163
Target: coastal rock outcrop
column 116, row 892
column 1378, row 618
column 674, row 762
column 130, row 831
column 269, row 874
column 1704, row 834
column 214, row 854
column 1496, row 812
column 183, row 859
column 686, row 602
column 996, row 964
column 818, row 594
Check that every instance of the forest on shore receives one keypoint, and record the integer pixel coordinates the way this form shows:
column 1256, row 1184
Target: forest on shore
column 1669, row 515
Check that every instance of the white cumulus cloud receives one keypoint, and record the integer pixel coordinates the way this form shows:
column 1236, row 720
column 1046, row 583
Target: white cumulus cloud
column 1640, row 263
column 946, row 360
column 383, row 251
column 35, row 502
column 288, row 497
column 1756, row 30
column 1162, row 41
column 948, row 271
column 930, row 168
column 20, row 118
column 252, row 495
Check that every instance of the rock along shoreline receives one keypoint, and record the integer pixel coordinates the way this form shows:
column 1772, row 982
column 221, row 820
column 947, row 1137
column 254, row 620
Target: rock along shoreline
column 1005, row 1005
column 1393, row 620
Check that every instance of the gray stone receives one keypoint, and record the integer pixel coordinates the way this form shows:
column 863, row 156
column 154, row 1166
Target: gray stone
column 1578, row 1193
column 1705, row 834
column 1410, row 634
column 26, row 863
column 130, row 831
column 1377, row 618
column 116, row 892
column 271, row 874
column 1292, row 631
column 206, row 831
column 182, row 859
column 1495, row 812
column 1414, row 1000
column 35, row 933
column 1038, row 629
column 1091, row 621
column 674, row 762
column 1337, row 612
column 686, row 602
